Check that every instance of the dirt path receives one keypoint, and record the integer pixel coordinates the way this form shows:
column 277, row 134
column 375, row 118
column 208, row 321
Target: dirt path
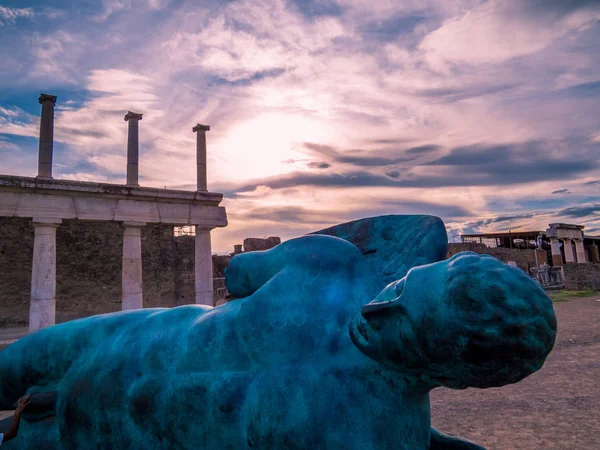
column 555, row 408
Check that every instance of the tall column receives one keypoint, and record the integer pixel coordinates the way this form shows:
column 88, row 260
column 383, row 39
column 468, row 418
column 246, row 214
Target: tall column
column 203, row 268
column 557, row 259
column 201, row 156
column 42, row 310
column 46, row 136
column 132, row 266
column 569, row 256
column 580, row 250
column 133, row 148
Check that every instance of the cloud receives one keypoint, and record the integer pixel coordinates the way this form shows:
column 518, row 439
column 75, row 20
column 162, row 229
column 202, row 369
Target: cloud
column 112, row 7
column 10, row 15
column 464, row 166
column 518, row 163
column 6, row 145
column 318, row 165
column 52, row 55
column 561, row 191
column 579, row 211
column 14, row 120
column 496, row 31
column 363, row 158
column 468, row 104
column 288, row 214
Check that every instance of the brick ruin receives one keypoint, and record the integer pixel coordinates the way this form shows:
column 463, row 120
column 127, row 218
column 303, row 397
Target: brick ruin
column 88, row 269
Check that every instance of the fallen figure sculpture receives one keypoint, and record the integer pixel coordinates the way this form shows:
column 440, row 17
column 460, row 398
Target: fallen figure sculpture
column 305, row 358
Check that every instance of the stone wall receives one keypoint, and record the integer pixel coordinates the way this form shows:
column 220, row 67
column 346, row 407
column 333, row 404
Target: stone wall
column 89, row 264
column 525, row 259
column 88, row 272
column 580, row 277
column 258, row 244
column 16, row 252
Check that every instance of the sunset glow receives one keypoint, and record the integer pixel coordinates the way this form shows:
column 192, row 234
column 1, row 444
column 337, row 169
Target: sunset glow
column 484, row 113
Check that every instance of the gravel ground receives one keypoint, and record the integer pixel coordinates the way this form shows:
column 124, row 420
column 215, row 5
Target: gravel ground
column 557, row 407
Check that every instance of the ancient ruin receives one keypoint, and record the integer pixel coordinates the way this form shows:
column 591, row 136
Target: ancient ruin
column 562, row 256
column 48, row 202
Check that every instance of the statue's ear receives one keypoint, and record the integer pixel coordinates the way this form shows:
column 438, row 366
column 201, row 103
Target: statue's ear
column 392, row 245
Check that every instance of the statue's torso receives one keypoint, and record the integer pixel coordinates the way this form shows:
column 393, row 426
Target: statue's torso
column 206, row 391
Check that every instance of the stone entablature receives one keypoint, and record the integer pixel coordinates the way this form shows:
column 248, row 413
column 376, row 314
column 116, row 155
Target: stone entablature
column 565, row 231
column 569, row 234
column 65, row 199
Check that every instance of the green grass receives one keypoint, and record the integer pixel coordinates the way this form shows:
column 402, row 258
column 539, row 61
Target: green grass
column 565, row 296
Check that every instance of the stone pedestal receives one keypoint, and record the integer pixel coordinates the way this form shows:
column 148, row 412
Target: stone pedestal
column 132, row 266
column 201, row 155
column 203, row 268
column 557, row 259
column 580, row 250
column 133, row 148
column 569, row 254
column 42, row 312
column 46, row 136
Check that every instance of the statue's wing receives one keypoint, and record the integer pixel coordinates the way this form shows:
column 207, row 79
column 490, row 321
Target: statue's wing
column 394, row 244
column 442, row 441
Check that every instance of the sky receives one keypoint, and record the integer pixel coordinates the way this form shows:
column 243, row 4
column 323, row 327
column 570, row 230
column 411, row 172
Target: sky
column 483, row 113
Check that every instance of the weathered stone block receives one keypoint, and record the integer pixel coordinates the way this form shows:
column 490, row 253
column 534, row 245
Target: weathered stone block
column 259, row 244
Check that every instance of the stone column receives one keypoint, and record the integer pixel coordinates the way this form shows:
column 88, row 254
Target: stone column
column 201, row 155
column 557, row 259
column 132, row 266
column 133, row 148
column 569, row 256
column 46, row 136
column 203, row 268
column 581, row 258
column 42, row 310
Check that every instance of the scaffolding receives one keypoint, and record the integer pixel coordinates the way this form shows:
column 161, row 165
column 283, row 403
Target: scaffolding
column 186, row 230
column 518, row 240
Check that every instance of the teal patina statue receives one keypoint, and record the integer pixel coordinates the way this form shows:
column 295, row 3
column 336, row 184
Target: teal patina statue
column 315, row 353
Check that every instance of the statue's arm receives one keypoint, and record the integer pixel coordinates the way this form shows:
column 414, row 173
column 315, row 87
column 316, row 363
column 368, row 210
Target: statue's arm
column 442, row 441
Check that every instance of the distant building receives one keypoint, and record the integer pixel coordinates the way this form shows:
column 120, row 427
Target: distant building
column 563, row 243
column 562, row 256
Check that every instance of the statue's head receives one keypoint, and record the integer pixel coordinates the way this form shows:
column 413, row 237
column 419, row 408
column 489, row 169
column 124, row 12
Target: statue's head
column 468, row 321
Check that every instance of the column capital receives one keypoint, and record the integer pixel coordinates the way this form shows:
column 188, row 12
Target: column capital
column 45, row 222
column 132, row 115
column 200, row 127
column 47, row 98
column 132, row 223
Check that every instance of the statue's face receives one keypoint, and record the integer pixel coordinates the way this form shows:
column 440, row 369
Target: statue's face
column 405, row 320
column 467, row 321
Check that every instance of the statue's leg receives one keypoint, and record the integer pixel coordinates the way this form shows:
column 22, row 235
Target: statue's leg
column 162, row 411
